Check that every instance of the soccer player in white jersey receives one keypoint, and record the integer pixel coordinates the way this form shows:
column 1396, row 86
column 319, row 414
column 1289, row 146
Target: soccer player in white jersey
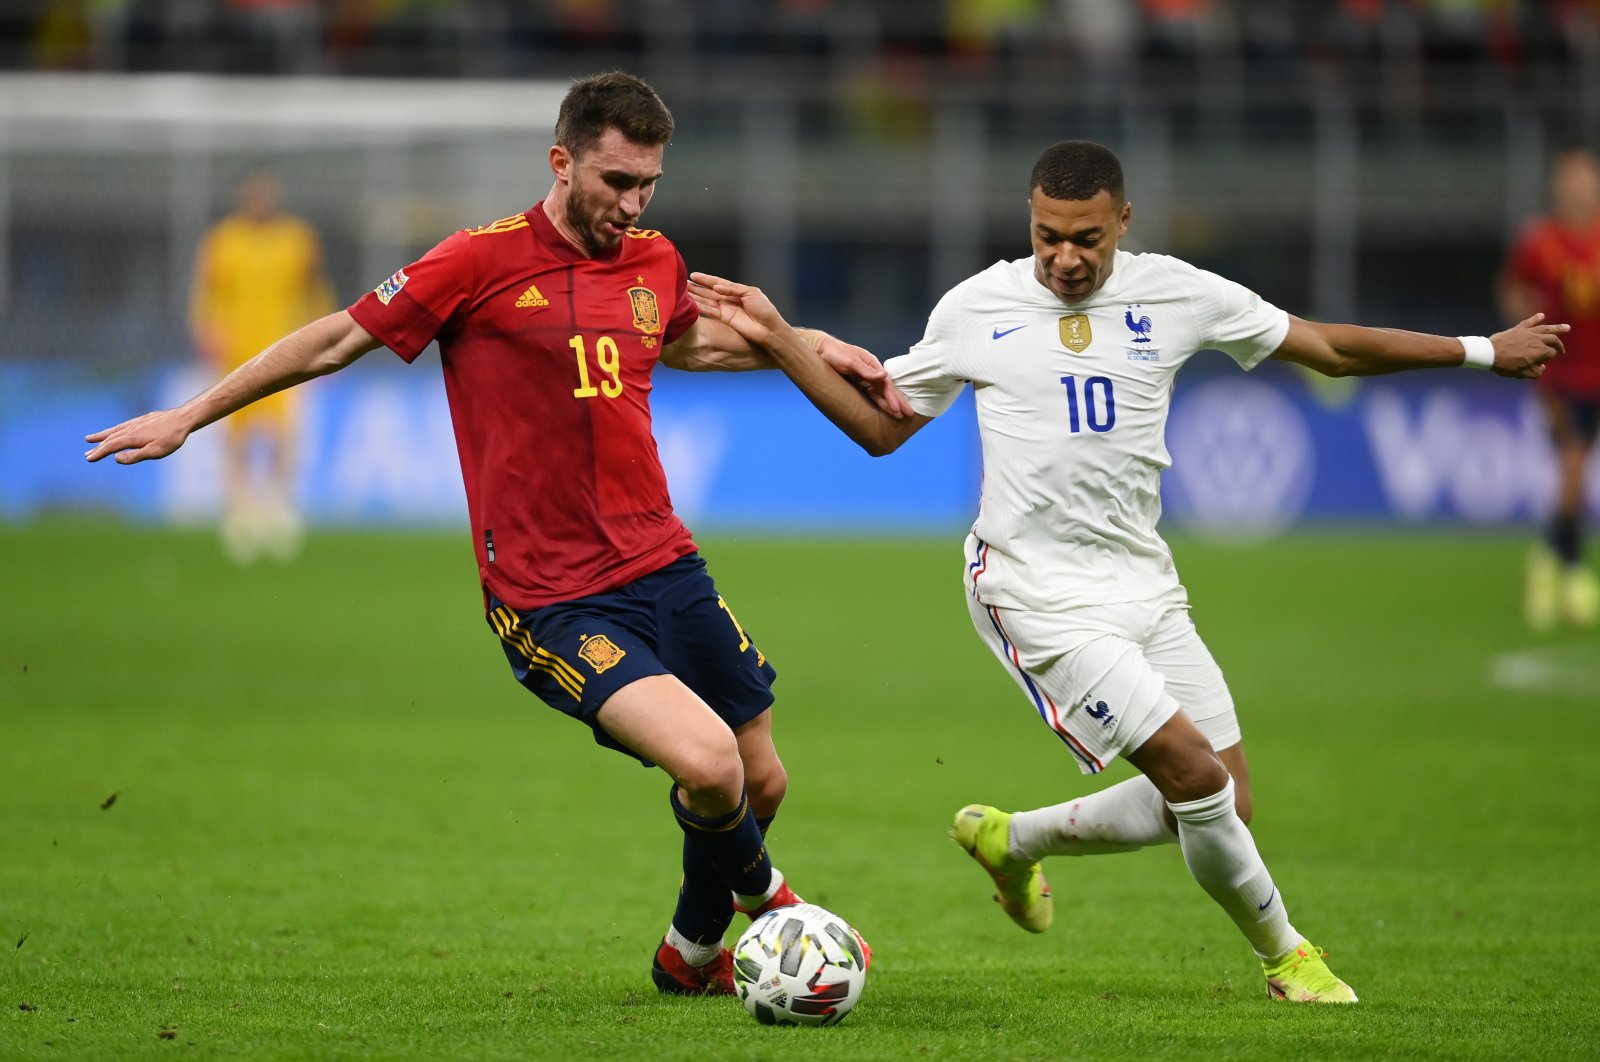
column 1071, row 354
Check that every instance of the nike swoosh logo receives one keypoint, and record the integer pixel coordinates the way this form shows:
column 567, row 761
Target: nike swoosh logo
column 1264, row 906
column 1001, row 335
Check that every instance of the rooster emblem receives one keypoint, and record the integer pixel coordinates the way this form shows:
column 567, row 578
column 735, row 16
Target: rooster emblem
column 1140, row 328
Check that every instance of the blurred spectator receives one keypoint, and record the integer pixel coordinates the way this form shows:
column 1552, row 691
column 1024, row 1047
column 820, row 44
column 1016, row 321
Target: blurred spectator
column 1177, row 29
column 888, row 100
column 274, row 36
column 1103, row 38
column 1555, row 269
column 979, row 27
column 61, row 36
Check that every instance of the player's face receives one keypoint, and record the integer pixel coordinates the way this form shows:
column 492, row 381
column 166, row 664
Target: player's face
column 1576, row 186
column 1075, row 240
column 606, row 188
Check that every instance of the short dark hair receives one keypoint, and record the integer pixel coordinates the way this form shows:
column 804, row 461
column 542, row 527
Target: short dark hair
column 611, row 101
column 1077, row 170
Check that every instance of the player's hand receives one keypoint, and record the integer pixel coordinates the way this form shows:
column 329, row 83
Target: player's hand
column 860, row 367
column 743, row 308
column 143, row 438
column 1521, row 350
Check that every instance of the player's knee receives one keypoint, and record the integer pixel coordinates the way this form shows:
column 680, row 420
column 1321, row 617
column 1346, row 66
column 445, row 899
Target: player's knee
column 711, row 775
column 1180, row 762
column 1194, row 778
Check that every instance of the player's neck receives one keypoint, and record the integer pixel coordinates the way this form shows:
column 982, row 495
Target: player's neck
column 555, row 211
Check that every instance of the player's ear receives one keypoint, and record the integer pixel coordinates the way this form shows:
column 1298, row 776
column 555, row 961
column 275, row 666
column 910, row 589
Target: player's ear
column 561, row 162
column 1127, row 216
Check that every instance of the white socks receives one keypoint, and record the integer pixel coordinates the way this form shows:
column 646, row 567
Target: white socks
column 694, row 953
column 1123, row 818
column 750, row 903
column 1222, row 856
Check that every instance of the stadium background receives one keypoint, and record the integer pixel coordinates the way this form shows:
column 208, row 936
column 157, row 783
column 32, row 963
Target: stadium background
column 301, row 812
column 1350, row 161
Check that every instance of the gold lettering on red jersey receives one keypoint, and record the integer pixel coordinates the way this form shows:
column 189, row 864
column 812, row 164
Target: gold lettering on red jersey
column 600, row 652
column 511, row 224
column 644, row 234
column 531, row 298
column 646, row 314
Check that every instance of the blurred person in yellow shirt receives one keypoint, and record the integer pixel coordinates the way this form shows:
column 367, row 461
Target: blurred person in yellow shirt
column 258, row 276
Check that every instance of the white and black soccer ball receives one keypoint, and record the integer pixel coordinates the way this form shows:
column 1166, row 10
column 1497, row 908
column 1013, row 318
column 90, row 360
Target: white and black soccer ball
column 799, row 965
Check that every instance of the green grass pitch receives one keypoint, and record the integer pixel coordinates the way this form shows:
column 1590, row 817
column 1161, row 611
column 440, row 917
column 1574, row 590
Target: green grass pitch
column 305, row 813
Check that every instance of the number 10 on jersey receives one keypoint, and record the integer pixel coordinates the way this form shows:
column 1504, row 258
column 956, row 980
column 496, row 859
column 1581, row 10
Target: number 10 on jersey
column 1097, row 405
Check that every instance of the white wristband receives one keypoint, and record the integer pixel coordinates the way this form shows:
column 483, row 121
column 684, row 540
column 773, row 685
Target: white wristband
column 1480, row 352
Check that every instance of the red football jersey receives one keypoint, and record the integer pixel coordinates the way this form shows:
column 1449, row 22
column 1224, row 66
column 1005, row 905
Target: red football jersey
column 547, row 358
column 1563, row 265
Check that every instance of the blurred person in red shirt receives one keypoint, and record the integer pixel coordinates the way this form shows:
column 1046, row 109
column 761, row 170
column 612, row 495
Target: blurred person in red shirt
column 1555, row 268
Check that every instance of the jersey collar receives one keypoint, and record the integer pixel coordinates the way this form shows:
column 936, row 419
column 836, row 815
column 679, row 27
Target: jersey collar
column 544, row 230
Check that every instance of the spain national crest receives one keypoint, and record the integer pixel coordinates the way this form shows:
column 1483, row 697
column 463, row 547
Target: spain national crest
column 646, row 314
column 600, row 652
column 1076, row 335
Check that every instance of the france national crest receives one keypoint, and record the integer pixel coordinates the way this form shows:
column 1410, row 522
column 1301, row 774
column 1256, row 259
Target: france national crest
column 646, row 314
column 1140, row 327
column 1076, row 335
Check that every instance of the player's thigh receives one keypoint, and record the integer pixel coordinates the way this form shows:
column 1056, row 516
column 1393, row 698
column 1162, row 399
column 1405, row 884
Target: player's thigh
column 663, row 721
column 1179, row 761
column 575, row 656
column 1175, row 649
column 702, row 642
column 1083, row 675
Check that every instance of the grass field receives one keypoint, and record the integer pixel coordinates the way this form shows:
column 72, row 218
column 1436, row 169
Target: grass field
column 341, row 831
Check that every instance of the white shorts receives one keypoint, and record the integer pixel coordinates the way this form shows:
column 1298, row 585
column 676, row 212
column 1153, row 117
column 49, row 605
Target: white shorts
column 1105, row 677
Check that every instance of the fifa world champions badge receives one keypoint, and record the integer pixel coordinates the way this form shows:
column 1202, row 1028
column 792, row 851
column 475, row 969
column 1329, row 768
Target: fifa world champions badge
column 1076, row 335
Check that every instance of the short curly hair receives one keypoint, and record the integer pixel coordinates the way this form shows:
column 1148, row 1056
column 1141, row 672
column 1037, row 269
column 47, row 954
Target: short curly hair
column 1077, row 170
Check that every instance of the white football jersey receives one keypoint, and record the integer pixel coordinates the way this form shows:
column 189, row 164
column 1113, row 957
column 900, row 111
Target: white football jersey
column 1072, row 407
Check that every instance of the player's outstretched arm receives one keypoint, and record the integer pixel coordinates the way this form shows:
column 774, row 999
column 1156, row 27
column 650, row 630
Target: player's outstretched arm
column 1353, row 350
column 876, row 427
column 321, row 347
column 712, row 345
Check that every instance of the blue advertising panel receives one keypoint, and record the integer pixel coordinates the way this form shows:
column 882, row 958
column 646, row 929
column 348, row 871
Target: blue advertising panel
column 1253, row 454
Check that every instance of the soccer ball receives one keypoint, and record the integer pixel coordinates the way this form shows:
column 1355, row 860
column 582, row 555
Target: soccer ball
column 799, row 965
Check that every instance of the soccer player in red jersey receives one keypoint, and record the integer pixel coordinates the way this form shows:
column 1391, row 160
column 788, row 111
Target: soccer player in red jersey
column 549, row 324
column 1555, row 267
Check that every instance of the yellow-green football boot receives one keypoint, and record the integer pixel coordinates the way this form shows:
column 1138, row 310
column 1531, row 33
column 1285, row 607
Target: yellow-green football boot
column 1580, row 596
column 1300, row 976
column 1541, row 591
column 1021, row 889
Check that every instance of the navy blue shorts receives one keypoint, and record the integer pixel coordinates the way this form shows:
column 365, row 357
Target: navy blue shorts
column 1580, row 416
column 576, row 654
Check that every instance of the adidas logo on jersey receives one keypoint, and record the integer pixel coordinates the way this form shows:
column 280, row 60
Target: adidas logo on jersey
column 531, row 298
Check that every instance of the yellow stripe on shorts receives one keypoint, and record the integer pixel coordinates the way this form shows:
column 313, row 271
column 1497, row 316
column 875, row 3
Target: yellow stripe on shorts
column 509, row 626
